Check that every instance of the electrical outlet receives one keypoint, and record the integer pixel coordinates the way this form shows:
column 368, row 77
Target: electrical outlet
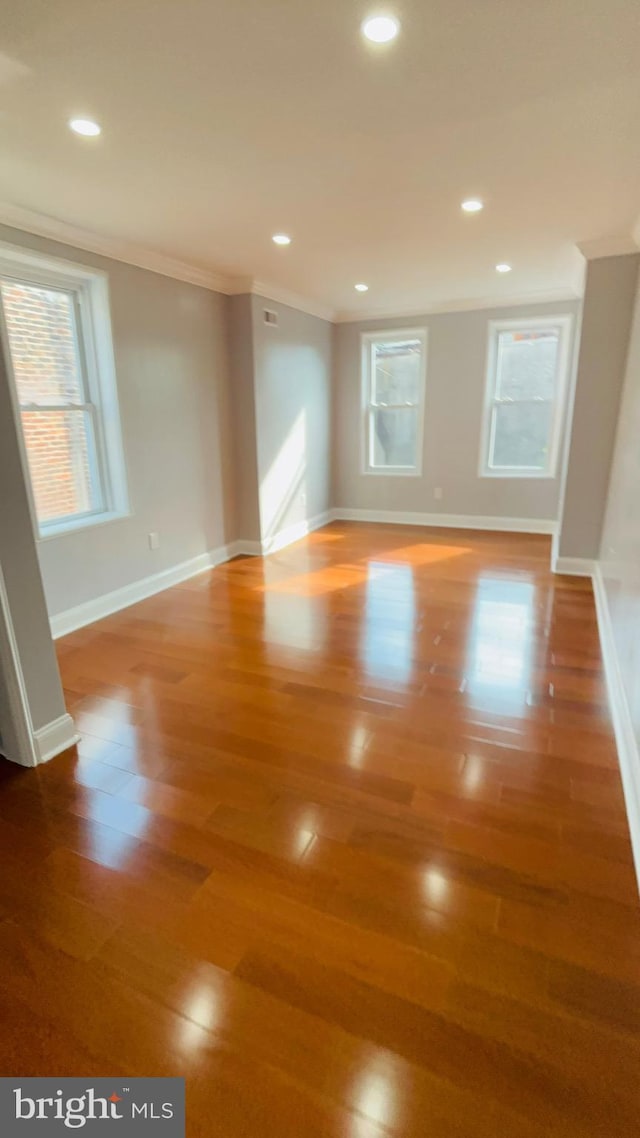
column 154, row 541
column 437, row 493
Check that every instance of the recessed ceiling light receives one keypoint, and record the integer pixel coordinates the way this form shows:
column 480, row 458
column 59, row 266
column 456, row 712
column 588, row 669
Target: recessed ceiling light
column 381, row 29
column 472, row 205
column 503, row 268
column 281, row 239
column 361, row 288
column 85, row 126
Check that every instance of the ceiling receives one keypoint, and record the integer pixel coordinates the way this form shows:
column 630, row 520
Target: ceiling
column 225, row 121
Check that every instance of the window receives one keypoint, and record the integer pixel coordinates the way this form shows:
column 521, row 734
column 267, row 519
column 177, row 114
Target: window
column 393, row 372
column 526, row 384
column 55, row 320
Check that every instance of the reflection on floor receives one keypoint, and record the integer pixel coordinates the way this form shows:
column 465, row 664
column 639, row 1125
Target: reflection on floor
column 344, row 843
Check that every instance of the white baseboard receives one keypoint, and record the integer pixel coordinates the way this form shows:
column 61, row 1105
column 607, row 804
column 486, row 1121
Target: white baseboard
column 294, row 532
column 626, row 741
column 284, row 537
column 244, row 548
column 448, row 521
column 54, row 738
column 108, row 603
column 88, row 612
column 573, row 566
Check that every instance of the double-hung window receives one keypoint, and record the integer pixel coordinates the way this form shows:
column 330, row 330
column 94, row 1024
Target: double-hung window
column 57, row 338
column 527, row 371
column 393, row 384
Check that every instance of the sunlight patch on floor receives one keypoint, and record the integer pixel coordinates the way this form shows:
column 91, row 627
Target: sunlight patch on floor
column 328, row 579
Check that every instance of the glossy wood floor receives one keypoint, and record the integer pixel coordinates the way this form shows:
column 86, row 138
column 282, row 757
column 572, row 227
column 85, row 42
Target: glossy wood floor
column 344, row 843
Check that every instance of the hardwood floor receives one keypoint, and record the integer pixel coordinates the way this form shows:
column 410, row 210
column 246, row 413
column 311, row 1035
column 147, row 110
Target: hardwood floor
column 344, row 843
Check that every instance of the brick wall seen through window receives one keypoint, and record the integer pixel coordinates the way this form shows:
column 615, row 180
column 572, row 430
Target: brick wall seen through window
column 47, row 369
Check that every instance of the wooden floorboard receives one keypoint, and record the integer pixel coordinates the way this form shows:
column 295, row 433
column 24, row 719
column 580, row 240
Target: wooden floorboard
column 344, row 843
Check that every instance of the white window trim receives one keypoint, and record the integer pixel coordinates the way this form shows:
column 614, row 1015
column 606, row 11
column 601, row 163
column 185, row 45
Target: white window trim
column 92, row 290
column 564, row 324
column 367, row 339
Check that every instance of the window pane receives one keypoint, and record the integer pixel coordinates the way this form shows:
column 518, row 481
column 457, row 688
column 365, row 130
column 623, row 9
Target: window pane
column 396, row 372
column 60, row 449
column 41, row 329
column 521, row 435
column 394, row 436
column 527, row 364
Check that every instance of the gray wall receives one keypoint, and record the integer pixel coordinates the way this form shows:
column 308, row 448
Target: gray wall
column 607, row 313
column 244, row 416
column 171, row 353
column 456, row 363
column 620, row 549
column 7, row 744
column 22, row 577
column 292, row 376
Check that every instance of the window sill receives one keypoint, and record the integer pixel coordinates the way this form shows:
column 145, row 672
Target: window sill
column 393, row 472
column 65, row 529
column 531, row 474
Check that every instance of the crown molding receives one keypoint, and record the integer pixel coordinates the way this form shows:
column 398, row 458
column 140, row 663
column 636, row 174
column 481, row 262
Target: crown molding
column 236, row 286
column 551, row 296
column 42, row 225
column 614, row 246
column 293, row 299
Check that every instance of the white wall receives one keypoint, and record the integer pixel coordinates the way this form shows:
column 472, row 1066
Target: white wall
column 243, row 404
column 619, row 571
column 610, row 291
column 171, row 353
column 23, row 585
column 456, row 361
column 292, row 377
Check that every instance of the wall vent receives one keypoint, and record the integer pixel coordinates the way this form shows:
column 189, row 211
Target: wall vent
column 271, row 317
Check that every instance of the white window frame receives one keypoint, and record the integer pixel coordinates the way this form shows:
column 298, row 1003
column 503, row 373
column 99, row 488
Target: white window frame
column 563, row 324
column 90, row 289
column 367, row 342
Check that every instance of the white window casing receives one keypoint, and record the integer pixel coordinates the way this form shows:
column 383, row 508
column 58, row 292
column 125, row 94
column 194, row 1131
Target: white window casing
column 392, row 435
column 96, row 402
column 537, row 399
